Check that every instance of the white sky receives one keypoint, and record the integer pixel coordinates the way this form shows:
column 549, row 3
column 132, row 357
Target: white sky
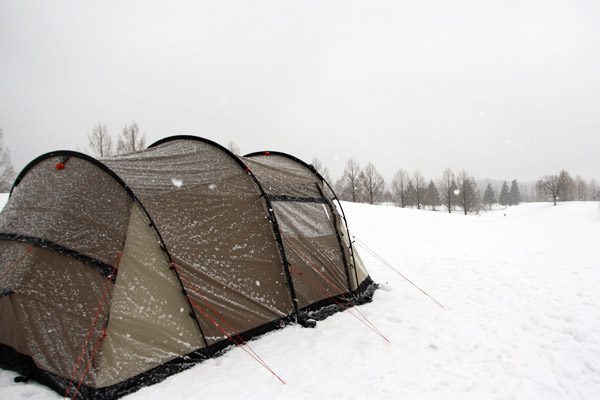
column 503, row 89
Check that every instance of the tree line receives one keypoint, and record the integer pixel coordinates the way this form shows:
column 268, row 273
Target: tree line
column 450, row 192
column 453, row 191
column 101, row 144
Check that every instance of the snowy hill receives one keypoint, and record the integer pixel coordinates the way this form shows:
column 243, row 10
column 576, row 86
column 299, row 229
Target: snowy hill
column 521, row 291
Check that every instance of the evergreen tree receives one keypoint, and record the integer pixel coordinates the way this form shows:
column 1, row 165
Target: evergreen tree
column 489, row 197
column 410, row 194
column 432, row 196
column 594, row 191
column 504, row 197
column 514, row 196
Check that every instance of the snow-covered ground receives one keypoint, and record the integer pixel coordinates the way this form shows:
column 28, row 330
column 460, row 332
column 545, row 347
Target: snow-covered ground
column 521, row 290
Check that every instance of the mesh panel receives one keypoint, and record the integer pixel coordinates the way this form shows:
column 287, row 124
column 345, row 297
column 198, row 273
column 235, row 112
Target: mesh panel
column 213, row 220
column 312, row 247
column 308, row 227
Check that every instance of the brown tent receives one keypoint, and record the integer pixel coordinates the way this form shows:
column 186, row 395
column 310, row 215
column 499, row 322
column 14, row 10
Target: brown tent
column 116, row 274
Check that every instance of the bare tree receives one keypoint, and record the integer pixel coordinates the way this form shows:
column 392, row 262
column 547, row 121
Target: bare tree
column 388, row 197
column 373, row 184
column 231, row 146
column 99, row 141
column 131, row 140
column 321, row 169
column 448, row 190
column 349, row 183
column 552, row 186
column 467, row 192
column 399, row 186
column 7, row 172
column 582, row 188
column 419, row 185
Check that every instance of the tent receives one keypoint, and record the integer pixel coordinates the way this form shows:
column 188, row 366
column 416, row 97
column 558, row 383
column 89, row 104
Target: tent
column 117, row 273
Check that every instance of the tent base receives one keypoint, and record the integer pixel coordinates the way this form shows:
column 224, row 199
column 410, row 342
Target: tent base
column 24, row 365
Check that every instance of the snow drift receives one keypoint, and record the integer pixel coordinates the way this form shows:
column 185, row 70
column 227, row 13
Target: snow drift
column 520, row 287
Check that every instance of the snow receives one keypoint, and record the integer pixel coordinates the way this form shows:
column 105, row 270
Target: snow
column 177, row 182
column 521, row 291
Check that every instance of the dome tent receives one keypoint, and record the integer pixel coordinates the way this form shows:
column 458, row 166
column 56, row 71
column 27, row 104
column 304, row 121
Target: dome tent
column 120, row 272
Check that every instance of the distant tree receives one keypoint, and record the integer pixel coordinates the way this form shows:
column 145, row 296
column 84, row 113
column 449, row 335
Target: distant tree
column 594, row 191
column 399, row 186
column 489, row 197
column 321, row 169
column 504, row 197
column 582, row 188
column 432, row 196
column 232, row 147
column 349, row 183
column 419, row 185
column 514, row 195
column 373, row 184
column 553, row 186
column 411, row 196
column 569, row 187
column 388, row 197
column 131, row 140
column 467, row 193
column 448, row 190
column 527, row 192
column 7, row 172
column 99, row 141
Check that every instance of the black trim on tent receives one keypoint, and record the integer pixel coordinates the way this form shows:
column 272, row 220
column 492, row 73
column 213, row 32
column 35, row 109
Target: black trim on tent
column 311, row 168
column 66, row 154
column 103, row 268
column 170, row 259
column 291, row 157
column 272, row 217
column 320, row 200
column 11, row 359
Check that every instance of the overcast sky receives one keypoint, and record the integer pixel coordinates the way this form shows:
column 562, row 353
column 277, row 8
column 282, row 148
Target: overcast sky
column 502, row 89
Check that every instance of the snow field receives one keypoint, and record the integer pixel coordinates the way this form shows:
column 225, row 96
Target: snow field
column 521, row 321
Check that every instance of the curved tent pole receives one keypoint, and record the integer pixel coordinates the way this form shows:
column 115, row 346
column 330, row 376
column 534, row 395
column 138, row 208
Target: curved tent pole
column 311, row 168
column 66, row 154
column 269, row 207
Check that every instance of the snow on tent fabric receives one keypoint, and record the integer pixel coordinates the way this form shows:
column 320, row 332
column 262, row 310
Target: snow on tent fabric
column 115, row 271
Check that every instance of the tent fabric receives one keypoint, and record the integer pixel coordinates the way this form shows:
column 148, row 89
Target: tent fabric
column 117, row 273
